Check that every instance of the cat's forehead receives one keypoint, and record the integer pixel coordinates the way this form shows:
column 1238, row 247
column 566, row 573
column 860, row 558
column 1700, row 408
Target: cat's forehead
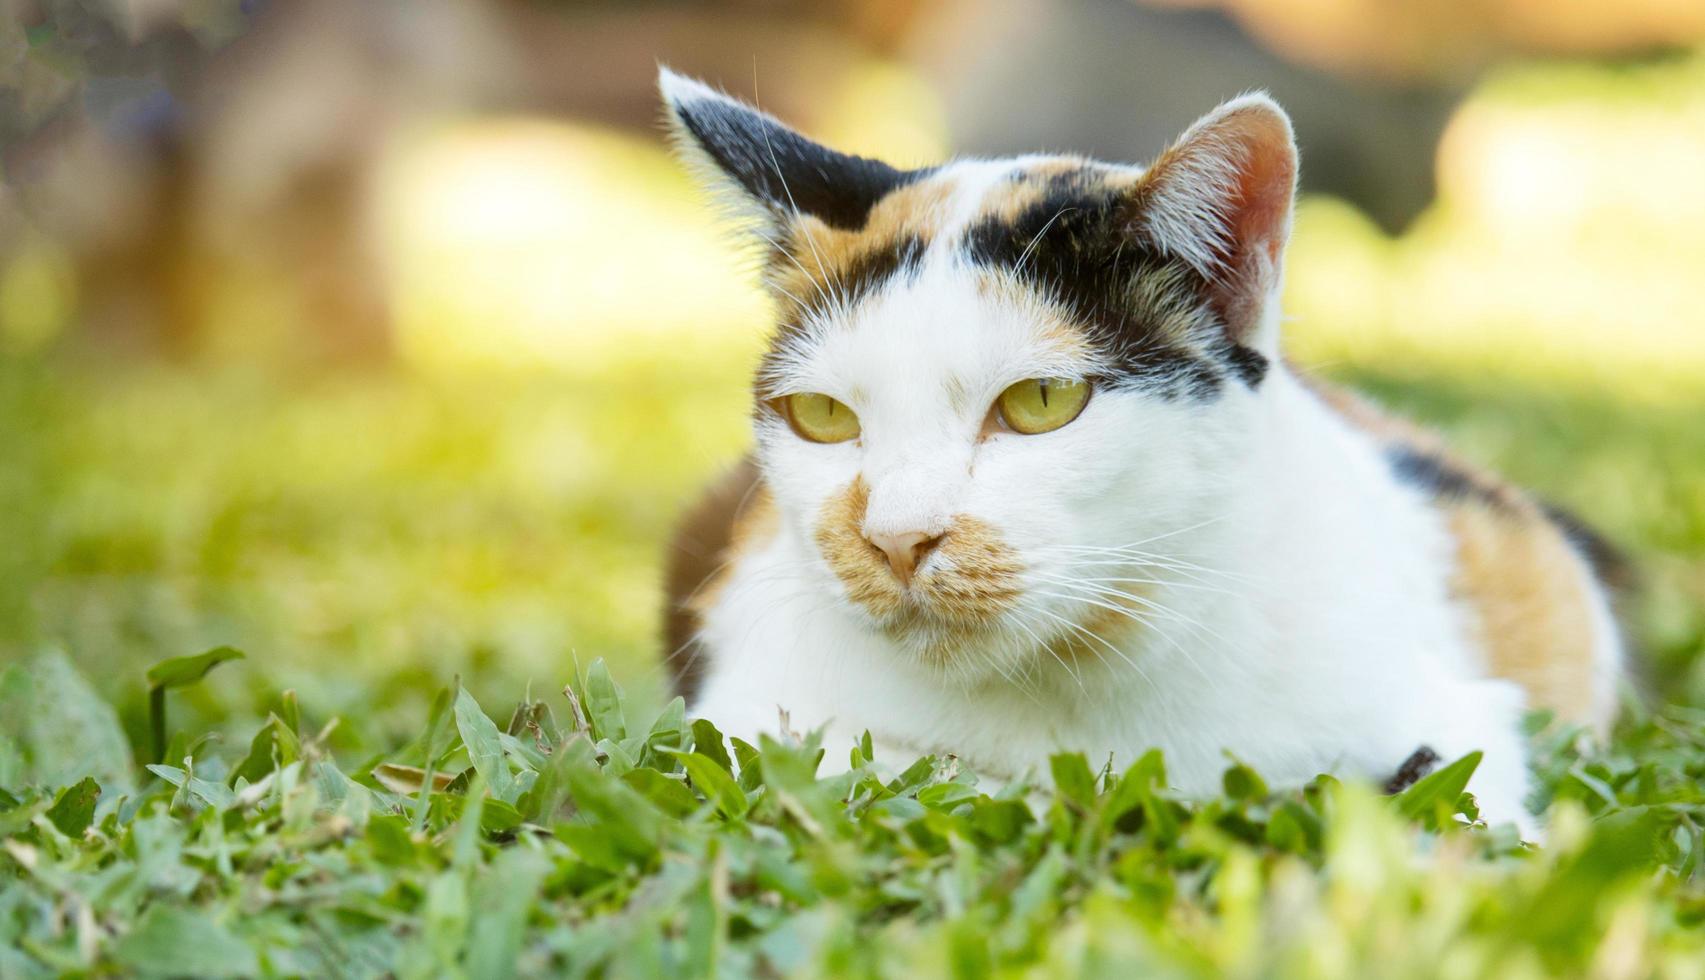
column 947, row 202
column 979, row 268
column 970, row 208
column 897, row 296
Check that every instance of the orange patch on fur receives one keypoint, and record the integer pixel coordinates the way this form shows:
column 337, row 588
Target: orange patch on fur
column 817, row 254
column 1528, row 592
column 971, row 577
column 1011, row 200
column 977, row 577
column 860, row 565
column 1517, row 573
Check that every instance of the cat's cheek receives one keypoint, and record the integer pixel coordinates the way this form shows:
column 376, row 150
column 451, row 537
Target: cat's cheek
column 1035, row 489
column 804, row 478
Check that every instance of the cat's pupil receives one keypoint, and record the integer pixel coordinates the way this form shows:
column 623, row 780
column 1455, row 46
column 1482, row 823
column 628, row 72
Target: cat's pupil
column 1044, row 387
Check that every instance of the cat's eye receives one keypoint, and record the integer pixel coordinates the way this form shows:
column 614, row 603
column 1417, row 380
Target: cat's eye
column 820, row 418
column 1039, row 405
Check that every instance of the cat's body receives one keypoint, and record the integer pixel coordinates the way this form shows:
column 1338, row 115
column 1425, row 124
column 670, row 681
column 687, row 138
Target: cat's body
column 1216, row 556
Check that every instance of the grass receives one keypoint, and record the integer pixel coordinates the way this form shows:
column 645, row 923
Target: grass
column 580, row 840
column 393, row 550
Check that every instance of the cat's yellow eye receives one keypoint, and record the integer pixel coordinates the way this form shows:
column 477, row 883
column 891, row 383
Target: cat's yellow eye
column 1041, row 404
column 820, row 418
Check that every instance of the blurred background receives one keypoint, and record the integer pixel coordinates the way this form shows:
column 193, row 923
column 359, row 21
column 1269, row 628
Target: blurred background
column 384, row 340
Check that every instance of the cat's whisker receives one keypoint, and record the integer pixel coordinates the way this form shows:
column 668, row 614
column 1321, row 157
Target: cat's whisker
column 776, row 247
column 1109, row 586
column 1209, row 522
column 781, row 572
column 1187, row 569
column 1105, row 551
column 1125, row 550
column 1153, row 539
column 1021, row 623
column 1201, row 630
column 1028, row 249
column 1085, row 631
column 827, row 290
column 1148, row 603
column 775, row 165
column 722, row 566
column 1134, row 580
column 1065, row 577
column 1020, row 683
column 1090, row 599
column 1148, row 623
column 1097, row 550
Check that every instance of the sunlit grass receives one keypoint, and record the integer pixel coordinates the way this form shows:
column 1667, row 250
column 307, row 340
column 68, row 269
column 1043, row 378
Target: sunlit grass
column 37, row 295
column 359, row 534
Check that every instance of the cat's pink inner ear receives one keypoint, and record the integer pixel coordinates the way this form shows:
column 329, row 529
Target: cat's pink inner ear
column 1220, row 198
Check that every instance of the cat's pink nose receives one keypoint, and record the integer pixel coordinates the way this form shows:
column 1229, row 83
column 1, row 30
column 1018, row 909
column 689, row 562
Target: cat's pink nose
column 905, row 551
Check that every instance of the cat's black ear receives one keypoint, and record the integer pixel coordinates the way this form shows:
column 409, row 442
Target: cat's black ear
column 1220, row 199
column 769, row 165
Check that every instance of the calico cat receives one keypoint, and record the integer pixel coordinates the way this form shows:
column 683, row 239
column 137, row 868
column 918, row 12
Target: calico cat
column 1030, row 474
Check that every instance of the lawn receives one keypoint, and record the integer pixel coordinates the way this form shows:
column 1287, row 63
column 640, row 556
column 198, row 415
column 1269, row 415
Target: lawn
column 394, row 549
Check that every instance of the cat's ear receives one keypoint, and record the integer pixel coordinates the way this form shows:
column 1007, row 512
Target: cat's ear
column 772, row 172
column 1220, row 199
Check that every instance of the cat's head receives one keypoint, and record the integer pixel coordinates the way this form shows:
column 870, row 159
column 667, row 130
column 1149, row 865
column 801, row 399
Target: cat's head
column 1001, row 392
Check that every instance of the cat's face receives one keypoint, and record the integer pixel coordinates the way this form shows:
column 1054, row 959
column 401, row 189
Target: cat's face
column 999, row 388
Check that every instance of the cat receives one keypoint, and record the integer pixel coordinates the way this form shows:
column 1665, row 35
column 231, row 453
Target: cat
column 1031, row 475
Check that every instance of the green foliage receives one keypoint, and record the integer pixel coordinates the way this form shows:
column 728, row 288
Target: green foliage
column 609, row 847
column 184, row 671
column 54, row 728
column 74, row 809
column 178, row 672
column 1433, row 798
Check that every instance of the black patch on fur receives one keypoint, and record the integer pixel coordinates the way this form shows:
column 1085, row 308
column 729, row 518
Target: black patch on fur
column 1420, row 762
column 787, row 171
column 868, row 271
column 1438, row 478
column 1443, row 482
column 872, row 270
column 864, row 275
column 1075, row 244
column 1249, row 364
column 1168, row 371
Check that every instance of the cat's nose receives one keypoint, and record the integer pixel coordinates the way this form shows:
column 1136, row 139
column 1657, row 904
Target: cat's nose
column 905, row 551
